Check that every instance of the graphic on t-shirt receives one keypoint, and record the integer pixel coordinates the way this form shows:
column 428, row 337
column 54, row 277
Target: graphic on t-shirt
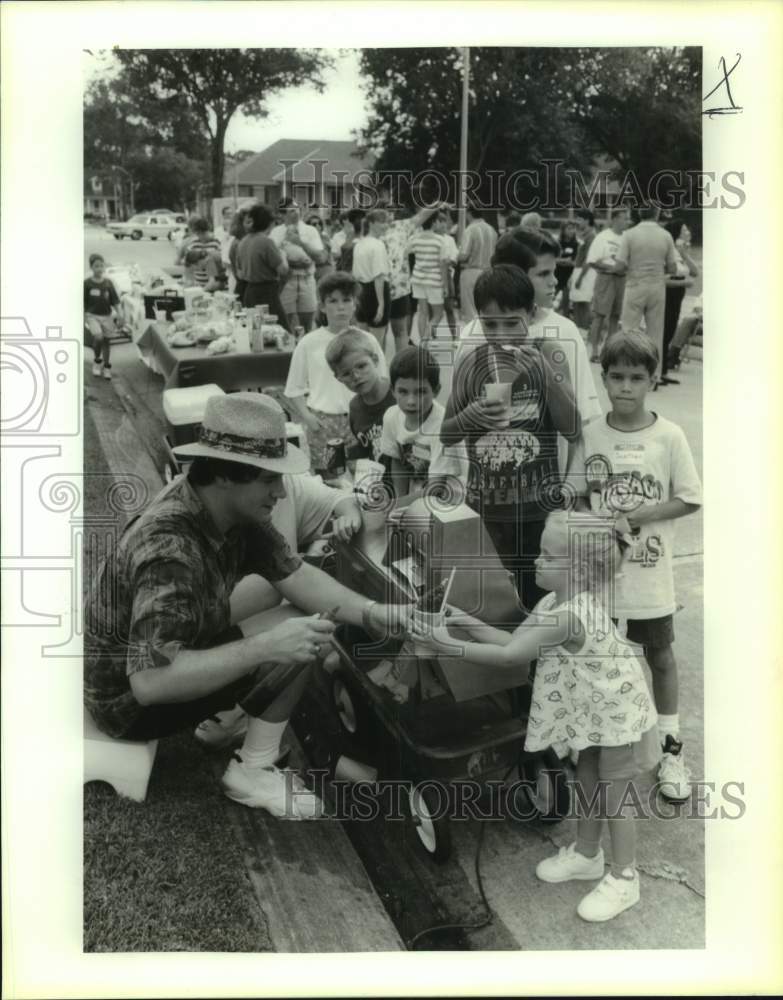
column 623, row 491
column 370, row 440
column 416, row 456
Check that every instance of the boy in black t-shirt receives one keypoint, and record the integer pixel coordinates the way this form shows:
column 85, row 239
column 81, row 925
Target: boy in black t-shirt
column 509, row 400
column 356, row 366
column 100, row 305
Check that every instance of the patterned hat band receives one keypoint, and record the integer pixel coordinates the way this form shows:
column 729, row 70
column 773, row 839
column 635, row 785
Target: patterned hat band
column 239, row 445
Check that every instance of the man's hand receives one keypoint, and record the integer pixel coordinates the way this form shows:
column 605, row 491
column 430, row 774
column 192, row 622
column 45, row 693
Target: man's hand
column 346, row 525
column 378, row 318
column 296, row 641
column 311, row 422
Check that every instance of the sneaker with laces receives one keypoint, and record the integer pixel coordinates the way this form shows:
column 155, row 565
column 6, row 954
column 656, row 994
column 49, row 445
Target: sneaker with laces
column 107, row 372
column 569, row 864
column 282, row 793
column 674, row 778
column 216, row 733
column 97, row 368
column 610, row 897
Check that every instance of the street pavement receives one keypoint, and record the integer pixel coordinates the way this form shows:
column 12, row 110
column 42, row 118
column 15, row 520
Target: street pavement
column 528, row 914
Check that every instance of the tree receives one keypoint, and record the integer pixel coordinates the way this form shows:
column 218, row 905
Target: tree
column 156, row 154
column 640, row 108
column 517, row 111
column 213, row 84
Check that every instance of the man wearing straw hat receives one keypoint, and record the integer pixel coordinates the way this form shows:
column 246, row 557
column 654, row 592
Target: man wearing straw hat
column 160, row 654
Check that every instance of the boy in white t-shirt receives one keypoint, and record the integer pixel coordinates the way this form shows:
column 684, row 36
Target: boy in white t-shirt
column 638, row 466
column 410, row 439
column 321, row 402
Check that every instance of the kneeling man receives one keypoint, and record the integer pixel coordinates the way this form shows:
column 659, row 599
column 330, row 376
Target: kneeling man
column 160, row 652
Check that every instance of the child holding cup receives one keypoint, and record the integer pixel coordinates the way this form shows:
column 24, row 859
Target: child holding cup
column 510, row 398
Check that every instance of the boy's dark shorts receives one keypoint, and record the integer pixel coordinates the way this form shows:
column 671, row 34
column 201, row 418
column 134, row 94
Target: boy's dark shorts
column 654, row 633
column 400, row 307
column 367, row 306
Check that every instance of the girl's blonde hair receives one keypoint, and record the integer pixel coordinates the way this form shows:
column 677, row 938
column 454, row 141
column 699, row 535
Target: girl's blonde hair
column 593, row 544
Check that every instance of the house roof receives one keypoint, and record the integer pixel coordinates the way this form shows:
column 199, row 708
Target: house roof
column 269, row 166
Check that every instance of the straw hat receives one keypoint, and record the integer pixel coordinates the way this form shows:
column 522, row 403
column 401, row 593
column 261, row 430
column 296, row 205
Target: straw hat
column 246, row 427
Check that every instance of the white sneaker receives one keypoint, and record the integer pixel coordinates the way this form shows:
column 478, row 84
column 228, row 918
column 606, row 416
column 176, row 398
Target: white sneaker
column 97, row 368
column 569, row 864
column 215, row 733
column 107, row 373
column 610, row 897
column 282, row 793
column 674, row 778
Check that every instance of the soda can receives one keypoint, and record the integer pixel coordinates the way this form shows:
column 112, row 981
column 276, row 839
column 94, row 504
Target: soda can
column 335, row 456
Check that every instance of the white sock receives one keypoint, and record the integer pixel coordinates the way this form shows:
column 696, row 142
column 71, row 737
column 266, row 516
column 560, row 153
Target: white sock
column 669, row 725
column 262, row 742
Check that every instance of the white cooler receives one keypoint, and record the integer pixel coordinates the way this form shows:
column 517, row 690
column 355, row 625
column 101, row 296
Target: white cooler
column 184, row 410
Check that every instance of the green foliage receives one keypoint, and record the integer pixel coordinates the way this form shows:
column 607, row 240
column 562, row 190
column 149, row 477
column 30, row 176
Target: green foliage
column 639, row 108
column 213, row 84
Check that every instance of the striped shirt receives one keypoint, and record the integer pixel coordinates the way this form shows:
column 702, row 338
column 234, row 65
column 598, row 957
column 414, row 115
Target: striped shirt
column 197, row 270
column 478, row 244
column 429, row 251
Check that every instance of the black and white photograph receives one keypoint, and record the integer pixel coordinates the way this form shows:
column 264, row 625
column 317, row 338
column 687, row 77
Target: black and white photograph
column 379, row 518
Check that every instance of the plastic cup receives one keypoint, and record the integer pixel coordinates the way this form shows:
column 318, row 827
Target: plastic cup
column 499, row 392
column 426, row 621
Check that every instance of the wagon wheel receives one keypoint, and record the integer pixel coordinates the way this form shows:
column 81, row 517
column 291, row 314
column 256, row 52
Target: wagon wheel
column 345, row 704
column 545, row 788
column 428, row 809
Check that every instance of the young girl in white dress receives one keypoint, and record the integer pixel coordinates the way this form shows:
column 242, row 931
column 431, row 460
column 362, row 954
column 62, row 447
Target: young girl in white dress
column 589, row 692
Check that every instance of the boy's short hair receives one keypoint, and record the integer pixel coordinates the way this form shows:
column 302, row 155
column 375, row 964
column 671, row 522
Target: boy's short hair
column 416, row 363
column 513, row 219
column 630, row 347
column 199, row 224
column 586, row 214
column 523, row 246
column 337, row 281
column 261, row 216
column 376, row 215
column 350, row 341
column 96, row 257
column 506, row 285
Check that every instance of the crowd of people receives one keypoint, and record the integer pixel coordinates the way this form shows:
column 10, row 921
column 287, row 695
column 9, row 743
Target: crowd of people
column 522, row 439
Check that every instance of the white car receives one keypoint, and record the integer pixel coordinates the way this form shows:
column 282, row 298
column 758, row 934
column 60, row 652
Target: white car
column 144, row 225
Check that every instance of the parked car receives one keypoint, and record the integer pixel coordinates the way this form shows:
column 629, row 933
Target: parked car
column 144, row 224
column 178, row 217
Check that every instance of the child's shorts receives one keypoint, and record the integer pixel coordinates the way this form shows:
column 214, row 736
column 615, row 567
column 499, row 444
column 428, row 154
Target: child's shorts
column 100, row 326
column 653, row 633
column 608, row 294
column 631, row 759
column 367, row 305
column 433, row 295
column 333, row 425
column 400, row 307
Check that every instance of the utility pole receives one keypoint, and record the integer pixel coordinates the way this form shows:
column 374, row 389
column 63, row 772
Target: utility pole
column 463, row 144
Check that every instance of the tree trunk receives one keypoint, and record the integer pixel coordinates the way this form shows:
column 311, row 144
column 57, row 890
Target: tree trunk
column 218, row 159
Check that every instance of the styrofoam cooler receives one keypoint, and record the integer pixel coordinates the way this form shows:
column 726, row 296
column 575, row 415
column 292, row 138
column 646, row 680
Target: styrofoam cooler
column 184, row 410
